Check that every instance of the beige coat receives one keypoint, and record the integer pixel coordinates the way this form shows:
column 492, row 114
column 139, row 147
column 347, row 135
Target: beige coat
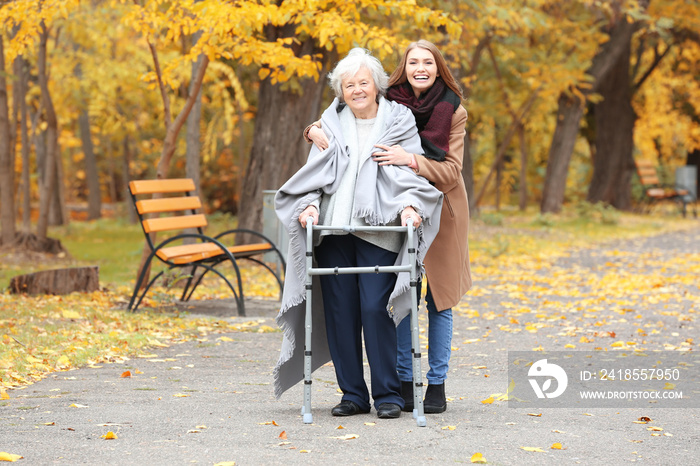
column 447, row 261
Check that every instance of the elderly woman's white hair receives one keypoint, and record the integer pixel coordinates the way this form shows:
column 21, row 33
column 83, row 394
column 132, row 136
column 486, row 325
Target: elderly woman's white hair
column 349, row 66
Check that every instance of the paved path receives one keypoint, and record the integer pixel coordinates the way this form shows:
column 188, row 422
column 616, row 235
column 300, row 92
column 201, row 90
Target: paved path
column 211, row 401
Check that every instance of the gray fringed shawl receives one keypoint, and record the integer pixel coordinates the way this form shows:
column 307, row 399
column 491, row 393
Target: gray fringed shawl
column 381, row 194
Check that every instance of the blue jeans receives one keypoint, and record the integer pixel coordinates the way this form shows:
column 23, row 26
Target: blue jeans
column 439, row 344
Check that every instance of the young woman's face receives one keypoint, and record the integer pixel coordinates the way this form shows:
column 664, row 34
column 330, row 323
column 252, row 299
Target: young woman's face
column 360, row 93
column 421, row 70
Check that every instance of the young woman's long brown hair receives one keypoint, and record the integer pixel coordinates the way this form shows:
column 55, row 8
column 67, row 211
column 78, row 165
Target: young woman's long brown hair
column 399, row 74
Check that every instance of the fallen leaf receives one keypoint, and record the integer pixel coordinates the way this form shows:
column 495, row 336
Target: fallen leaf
column 347, row 437
column 63, row 361
column 125, row 374
column 268, row 423
column 449, row 428
column 478, row 458
column 4, row 395
column 655, row 429
column 283, row 435
column 488, row 401
column 304, row 451
column 75, row 405
column 110, row 436
column 570, row 346
column 535, row 414
column 181, row 395
column 71, row 315
column 340, row 427
column 556, row 446
column 533, row 449
column 226, row 463
column 669, row 386
column 644, row 419
column 225, row 339
column 370, row 423
column 4, row 456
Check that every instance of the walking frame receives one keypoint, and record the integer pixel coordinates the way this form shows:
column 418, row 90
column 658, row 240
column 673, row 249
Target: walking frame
column 418, row 413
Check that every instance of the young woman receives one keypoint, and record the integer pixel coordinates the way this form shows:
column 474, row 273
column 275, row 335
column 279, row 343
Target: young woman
column 423, row 82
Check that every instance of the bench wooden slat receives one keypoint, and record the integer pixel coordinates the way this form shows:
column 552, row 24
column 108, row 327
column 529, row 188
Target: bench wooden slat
column 188, row 253
column 649, row 180
column 174, row 223
column 647, row 172
column 168, row 204
column 161, row 186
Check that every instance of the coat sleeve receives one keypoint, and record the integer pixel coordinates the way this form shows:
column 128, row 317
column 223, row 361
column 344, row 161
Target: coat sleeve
column 445, row 175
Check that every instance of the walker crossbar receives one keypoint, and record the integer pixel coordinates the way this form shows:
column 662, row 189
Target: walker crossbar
column 418, row 412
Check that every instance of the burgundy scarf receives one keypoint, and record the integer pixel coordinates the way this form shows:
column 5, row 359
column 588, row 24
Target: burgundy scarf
column 433, row 111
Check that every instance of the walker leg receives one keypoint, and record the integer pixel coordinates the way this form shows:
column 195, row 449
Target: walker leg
column 418, row 413
column 306, row 407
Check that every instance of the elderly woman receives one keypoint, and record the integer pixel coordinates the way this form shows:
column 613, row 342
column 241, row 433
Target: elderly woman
column 342, row 186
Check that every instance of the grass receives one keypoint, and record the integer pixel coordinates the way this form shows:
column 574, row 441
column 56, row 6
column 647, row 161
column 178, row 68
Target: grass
column 40, row 335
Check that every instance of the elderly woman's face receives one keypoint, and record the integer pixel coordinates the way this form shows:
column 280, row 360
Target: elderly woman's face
column 360, row 94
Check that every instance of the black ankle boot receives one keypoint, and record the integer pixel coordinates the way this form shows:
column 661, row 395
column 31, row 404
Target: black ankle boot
column 407, row 395
column 435, row 401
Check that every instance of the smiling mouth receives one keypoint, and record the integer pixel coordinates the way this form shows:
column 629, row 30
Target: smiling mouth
column 420, row 78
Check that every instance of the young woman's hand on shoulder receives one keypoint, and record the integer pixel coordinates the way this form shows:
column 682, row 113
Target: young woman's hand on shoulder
column 392, row 155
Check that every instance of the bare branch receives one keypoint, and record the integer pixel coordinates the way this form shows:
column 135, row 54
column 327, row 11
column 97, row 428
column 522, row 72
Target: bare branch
column 161, row 84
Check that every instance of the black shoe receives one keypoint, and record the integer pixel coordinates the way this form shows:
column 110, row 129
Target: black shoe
column 435, row 401
column 347, row 408
column 407, row 395
column 388, row 411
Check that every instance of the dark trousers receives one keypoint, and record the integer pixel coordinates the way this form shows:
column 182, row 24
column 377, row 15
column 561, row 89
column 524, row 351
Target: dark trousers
column 354, row 303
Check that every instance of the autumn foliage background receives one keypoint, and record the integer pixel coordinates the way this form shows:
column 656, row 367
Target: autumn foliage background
column 562, row 97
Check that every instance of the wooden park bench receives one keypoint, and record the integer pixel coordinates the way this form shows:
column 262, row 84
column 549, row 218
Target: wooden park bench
column 176, row 198
column 655, row 191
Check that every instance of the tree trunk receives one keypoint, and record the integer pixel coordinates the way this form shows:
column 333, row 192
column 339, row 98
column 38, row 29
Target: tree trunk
column 91, row 173
column 192, row 131
column 570, row 112
column 522, row 195
column 22, row 77
column 614, row 118
column 58, row 212
column 126, row 161
column 468, row 172
column 7, row 168
column 499, row 171
column 278, row 148
column 568, row 119
column 46, row 194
